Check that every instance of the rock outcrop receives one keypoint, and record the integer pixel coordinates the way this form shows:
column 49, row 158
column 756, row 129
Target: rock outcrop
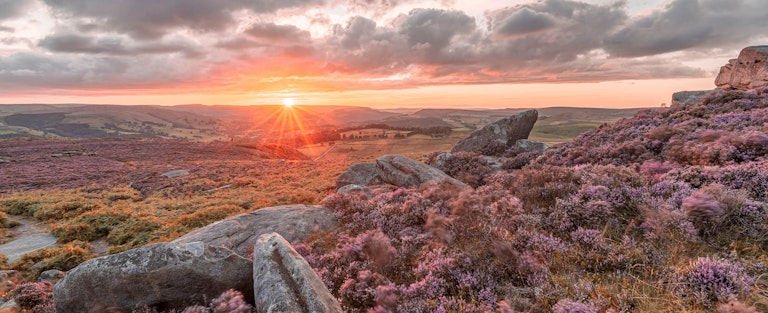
column 239, row 233
column 400, row 171
column 406, row 172
column 528, row 146
column 505, row 131
column 284, row 281
column 363, row 174
column 689, row 97
column 163, row 276
column 748, row 71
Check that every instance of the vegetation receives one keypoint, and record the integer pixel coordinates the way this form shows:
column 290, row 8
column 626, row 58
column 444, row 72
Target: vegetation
column 663, row 212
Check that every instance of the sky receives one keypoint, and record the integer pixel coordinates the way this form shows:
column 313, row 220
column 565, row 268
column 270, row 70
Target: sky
column 378, row 53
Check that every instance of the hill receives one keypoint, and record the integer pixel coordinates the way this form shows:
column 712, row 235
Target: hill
column 269, row 123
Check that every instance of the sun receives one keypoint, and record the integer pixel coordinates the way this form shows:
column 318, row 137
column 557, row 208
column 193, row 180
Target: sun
column 289, row 102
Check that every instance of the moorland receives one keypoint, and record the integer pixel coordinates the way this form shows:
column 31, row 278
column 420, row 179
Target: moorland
column 656, row 210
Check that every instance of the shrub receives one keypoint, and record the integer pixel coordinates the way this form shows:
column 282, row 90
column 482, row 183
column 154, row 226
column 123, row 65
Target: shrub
column 707, row 280
column 570, row 306
column 64, row 258
column 231, row 301
column 35, row 297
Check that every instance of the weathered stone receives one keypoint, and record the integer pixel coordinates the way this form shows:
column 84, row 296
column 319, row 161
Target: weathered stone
column 162, row 276
column 52, row 276
column 690, row 97
column 749, row 71
column 526, row 146
column 406, row 172
column 505, row 131
column 364, row 174
column 16, row 249
column 355, row 189
column 175, row 173
column 239, row 233
column 10, row 307
column 284, row 281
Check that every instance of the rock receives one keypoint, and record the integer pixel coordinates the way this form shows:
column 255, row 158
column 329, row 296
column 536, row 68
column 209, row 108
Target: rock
column 355, row 189
column 14, row 250
column 505, row 131
column 749, row 71
column 284, row 281
column 10, row 307
column 496, row 163
column 441, row 159
column 175, row 173
column 239, row 233
column 690, row 97
column 363, row 174
column 406, row 172
column 526, row 146
column 162, row 276
column 52, row 276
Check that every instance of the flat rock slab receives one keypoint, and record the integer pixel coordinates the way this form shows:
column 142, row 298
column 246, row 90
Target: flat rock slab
column 14, row 250
column 175, row 173
column 239, row 233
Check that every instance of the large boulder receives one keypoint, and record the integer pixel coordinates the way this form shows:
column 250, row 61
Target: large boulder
column 406, row 172
column 163, row 276
column 284, row 281
column 749, row 71
column 239, row 233
column 363, row 174
column 505, row 131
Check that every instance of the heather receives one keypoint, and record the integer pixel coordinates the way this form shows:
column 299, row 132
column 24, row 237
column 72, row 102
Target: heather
column 665, row 211
column 112, row 191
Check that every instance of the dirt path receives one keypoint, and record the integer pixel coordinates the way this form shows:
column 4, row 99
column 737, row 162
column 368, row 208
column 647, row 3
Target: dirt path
column 28, row 236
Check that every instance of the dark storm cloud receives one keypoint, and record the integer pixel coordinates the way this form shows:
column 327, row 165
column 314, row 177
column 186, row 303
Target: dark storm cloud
column 153, row 19
column 75, row 43
column 12, row 8
column 691, row 24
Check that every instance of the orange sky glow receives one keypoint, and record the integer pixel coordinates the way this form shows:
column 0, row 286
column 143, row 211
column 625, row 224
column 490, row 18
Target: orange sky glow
column 382, row 54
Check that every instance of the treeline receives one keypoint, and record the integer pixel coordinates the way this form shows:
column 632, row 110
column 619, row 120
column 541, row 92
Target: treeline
column 332, row 135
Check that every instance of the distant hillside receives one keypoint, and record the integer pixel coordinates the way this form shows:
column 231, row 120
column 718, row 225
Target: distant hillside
column 225, row 122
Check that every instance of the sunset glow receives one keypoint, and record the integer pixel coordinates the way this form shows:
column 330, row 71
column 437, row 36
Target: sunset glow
column 412, row 53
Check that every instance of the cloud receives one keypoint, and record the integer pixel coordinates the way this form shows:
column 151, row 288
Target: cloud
column 7, row 29
column 26, row 71
column 12, row 8
column 353, row 44
column 112, row 45
column 153, row 19
column 525, row 21
column 274, row 32
column 690, row 24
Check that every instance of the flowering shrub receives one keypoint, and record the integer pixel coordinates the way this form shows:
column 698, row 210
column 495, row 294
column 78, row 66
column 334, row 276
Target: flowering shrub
column 569, row 306
column 35, row 297
column 709, row 279
column 470, row 168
